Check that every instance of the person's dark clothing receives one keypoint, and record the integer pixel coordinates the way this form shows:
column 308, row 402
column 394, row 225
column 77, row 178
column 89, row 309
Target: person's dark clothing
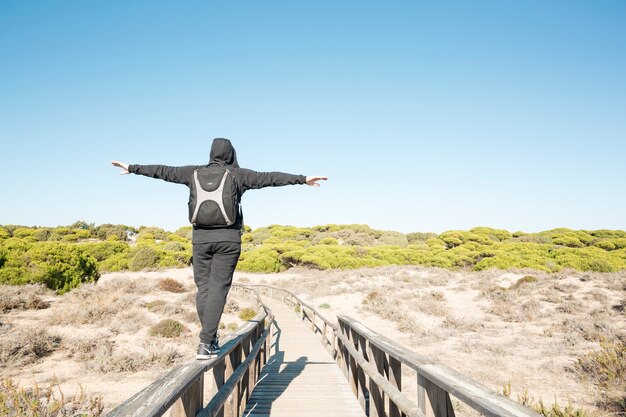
column 245, row 179
column 213, row 267
column 216, row 251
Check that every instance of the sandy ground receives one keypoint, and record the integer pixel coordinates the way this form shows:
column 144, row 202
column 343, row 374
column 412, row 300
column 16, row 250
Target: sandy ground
column 105, row 347
column 479, row 324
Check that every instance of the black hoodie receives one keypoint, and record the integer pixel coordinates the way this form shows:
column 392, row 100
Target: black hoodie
column 222, row 151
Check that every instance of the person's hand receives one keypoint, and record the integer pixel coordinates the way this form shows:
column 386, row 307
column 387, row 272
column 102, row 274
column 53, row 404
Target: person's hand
column 121, row 165
column 312, row 181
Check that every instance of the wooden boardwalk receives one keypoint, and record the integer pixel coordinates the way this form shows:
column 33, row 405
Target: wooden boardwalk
column 301, row 378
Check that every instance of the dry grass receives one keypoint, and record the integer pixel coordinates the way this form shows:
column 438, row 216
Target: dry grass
column 528, row 279
column 231, row 306
column 462, row 325
column 191, row 317
column 95, row 307
column 85, row 349
column 553, row 410
column 25, row 346
column 108, row 359
column 171, row 285
column 386, row 307
column 49, row 401
column 432, row 305
column 606, row 367
column 23, row 297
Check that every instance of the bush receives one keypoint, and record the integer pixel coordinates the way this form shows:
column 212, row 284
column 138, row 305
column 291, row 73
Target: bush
column 167, row 328
column 523, row 281
column 418, row 237
column 171, row 285
column 606, row 367
column 156, row 305
column 58, row 266
column 247, row 314
column 260, row 260
column 393, row 238
column 27, row 297
column 104, row 250
column 144, row 257
column 26, row 346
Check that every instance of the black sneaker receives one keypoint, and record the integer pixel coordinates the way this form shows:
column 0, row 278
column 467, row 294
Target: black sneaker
column 208, row 351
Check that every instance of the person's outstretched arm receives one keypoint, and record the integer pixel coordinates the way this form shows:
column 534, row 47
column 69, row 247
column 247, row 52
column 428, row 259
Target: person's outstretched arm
column 178, row 175
column 252, row 180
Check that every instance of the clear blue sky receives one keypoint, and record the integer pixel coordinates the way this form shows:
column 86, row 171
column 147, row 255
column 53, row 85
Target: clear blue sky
column 426, row 116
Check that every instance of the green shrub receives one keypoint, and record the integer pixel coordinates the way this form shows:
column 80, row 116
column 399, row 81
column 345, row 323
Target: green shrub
column 417, row 237
column 167, row 328
column 59, row 266
column 115, row 263
column 155, row 305
column 393, row 238
column 569, row 241
column 144, row 257
column 497, row 235
column 329, row 241
column 104, row 250
column 604, row 244
column 260, row 260
column 174, row 246
column 247, row 314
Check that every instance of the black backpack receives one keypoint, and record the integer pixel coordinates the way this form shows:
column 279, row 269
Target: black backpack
column 213, row 200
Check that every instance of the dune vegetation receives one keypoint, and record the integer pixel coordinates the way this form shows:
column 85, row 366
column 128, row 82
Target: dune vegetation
column 63, row 257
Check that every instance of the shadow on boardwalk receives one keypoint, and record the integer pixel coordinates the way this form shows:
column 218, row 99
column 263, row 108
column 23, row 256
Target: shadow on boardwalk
column 273, row 380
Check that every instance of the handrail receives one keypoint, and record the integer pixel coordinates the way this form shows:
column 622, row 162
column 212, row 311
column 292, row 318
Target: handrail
column 235, row 371
column 436, row 382
column 373, row 365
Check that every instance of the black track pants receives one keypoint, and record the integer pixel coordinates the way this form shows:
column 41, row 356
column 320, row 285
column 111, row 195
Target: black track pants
column 213, row 267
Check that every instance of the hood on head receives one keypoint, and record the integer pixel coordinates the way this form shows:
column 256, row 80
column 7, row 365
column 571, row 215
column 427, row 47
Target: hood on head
column 222, row 151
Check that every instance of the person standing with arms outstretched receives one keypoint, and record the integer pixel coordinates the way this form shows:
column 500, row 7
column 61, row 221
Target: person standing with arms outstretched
column 216, row 249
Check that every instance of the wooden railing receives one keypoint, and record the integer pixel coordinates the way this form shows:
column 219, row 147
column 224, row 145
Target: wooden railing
column 234, row 373
column 374, row 365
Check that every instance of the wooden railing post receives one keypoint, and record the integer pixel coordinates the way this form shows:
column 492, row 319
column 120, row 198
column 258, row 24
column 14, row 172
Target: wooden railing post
column 432, row 400
column 231, row 407
column 191, row 401
column 378, row 359
column 395, row 377
column 357, row 372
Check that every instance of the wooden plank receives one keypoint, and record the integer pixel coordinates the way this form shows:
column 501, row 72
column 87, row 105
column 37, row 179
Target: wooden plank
column 300, row 377
column 395, row 378
column 191, row 401
column 432, row 400
column 377, row 397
